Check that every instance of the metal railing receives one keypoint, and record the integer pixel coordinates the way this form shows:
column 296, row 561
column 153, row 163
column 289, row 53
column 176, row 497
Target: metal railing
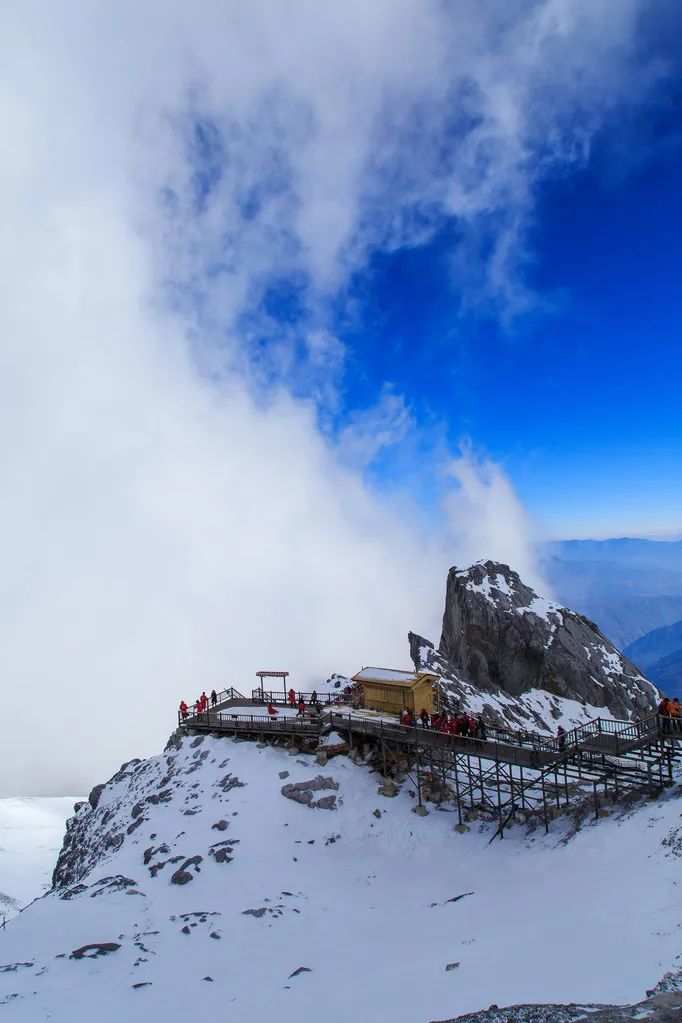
column 619, row 737
column 225, row 721
column 279, row 699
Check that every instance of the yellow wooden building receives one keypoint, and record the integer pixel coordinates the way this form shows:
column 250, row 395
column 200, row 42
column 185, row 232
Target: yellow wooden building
column 388, row 689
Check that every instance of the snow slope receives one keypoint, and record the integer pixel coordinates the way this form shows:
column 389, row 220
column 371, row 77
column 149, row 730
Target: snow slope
column 31, row 834
column 374, row 907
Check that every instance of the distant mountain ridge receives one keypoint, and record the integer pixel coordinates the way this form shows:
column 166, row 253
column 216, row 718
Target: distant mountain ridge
column 660, row 654
column 629, row 586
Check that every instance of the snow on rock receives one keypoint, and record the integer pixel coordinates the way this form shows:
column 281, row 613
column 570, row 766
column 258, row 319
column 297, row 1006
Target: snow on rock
column 513, row 654
column 294, row 913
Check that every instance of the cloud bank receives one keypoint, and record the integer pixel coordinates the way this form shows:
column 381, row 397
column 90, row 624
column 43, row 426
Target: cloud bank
column 174, row 515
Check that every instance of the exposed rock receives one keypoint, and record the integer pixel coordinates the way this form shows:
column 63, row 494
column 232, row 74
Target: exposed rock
column 283, row 774
column 662, row 1008
column 325, row 803
column 220, row 826
column 420, row 811
column 298, row 795
column 498, row 635
column 182, row 875
column 388, row 789
column 98, row 948
column 229, row 782
column 94, row 797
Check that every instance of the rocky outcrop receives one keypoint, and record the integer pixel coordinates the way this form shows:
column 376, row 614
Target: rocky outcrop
column 662, row 1008
column 302, row 792
column 500, row 637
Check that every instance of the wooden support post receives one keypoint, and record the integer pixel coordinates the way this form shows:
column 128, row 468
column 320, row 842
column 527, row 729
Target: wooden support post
column 480, row 779
column 499, row 799
column 471, row 790
column 459, row 801
column 566, row 784
column 419, row 777
column 556, row 787
column 544, row 802
column 523, row 794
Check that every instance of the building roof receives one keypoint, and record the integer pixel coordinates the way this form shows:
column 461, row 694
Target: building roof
column 392, row 676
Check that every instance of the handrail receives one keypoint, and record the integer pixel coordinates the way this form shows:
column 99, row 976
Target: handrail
column 499, row 743
column 282, row 699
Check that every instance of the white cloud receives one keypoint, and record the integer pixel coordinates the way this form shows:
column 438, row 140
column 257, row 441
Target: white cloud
column 486, row 520
column 172, row 517
column 369, row 431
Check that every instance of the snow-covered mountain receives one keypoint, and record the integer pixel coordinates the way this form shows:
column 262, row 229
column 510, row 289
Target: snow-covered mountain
column 31, row 834
column 190, row 886
column 520, row 658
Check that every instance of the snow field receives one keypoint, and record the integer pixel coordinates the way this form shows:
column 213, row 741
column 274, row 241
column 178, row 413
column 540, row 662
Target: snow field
column 31, row 833
column 595, row 920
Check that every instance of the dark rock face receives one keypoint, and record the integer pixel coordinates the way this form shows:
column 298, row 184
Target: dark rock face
column 182, row 875
column 499, row 634
column 302, row 792
column 661, row 1008
column 94, row 796
column 94, row 951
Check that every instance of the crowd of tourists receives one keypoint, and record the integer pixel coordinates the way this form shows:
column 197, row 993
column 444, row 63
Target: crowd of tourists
column 297, row 703
column 200, row 706
column 447, row 723
column 670, row 713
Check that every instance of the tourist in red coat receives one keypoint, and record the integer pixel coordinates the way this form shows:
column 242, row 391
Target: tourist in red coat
column 272, row 710
column 301, row 708
column 183, row 710
column 292, row 698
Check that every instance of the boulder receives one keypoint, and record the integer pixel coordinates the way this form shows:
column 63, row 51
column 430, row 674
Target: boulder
column 388, row 789
column 95, row 950
column 182, row 875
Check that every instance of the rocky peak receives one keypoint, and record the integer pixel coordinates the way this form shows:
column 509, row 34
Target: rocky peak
column 499, row 634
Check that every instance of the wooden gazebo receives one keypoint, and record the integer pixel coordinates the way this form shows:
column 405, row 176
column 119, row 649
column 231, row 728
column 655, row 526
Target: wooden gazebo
column 284, row 675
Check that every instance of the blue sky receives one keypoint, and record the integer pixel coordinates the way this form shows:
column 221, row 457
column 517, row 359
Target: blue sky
column 579, row 397
column 458, row 256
